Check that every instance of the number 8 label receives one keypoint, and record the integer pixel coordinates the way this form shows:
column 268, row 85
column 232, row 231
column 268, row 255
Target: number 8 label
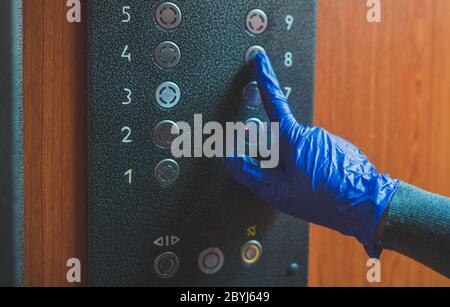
column 288, row 59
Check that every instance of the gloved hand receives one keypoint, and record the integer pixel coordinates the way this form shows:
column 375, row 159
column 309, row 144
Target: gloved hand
column 321, row 178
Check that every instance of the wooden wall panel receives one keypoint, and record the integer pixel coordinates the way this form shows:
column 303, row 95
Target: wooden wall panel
column 386, row 88
column 383, row 86
column 55, row 141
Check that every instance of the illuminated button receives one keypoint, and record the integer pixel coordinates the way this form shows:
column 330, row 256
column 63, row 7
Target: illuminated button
column 167, row 55
column 168, row 95
column 168, row 16
column 253, row 128
column 251, row 95
column 257, row 22
column 163, row 133
column 251, row 53
column 251, row 252
column 211, row 261
column 167, row 172
column 166, row 265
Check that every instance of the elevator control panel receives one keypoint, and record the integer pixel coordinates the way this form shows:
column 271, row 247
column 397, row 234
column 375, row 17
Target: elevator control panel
column 158, row 220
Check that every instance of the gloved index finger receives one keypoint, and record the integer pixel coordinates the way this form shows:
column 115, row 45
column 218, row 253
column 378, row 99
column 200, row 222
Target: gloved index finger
column 275, row 102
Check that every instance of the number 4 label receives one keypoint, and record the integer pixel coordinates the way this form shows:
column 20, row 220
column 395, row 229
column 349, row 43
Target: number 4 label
column 126, row 54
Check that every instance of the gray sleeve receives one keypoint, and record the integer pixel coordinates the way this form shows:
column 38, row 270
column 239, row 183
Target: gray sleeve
column 418, row 226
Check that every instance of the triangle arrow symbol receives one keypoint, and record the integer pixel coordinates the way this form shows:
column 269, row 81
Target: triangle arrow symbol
column 174, row 240
column 159, row 242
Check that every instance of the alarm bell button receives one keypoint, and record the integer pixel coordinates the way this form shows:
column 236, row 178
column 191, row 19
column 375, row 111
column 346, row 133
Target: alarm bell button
column 251, row 252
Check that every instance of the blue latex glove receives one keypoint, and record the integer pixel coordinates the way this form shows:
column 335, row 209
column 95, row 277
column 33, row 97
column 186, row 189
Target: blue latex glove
column 321, row 178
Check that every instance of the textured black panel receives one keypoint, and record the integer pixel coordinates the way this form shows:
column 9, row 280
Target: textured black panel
column 11, row 140
column 204, row 208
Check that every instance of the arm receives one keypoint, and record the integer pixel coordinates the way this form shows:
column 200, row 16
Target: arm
column 328, row 181
column 417, row 225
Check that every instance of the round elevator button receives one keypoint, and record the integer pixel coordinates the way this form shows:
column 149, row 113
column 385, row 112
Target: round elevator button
column 167, row 55
column 257, row 21
column 166, row 265
column 253, row 128
column 251, row 53
column 165, row 132
column 251, row 95
column 168, row 95
column 211, row 261
column 168, row 15
column 251, row 252
column 167, row 172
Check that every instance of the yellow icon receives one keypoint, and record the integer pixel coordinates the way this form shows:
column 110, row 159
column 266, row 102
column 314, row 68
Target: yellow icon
column 251, row 231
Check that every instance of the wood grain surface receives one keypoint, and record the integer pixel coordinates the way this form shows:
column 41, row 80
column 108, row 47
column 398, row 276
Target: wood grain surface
column 385, row 87
column 55, row 142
